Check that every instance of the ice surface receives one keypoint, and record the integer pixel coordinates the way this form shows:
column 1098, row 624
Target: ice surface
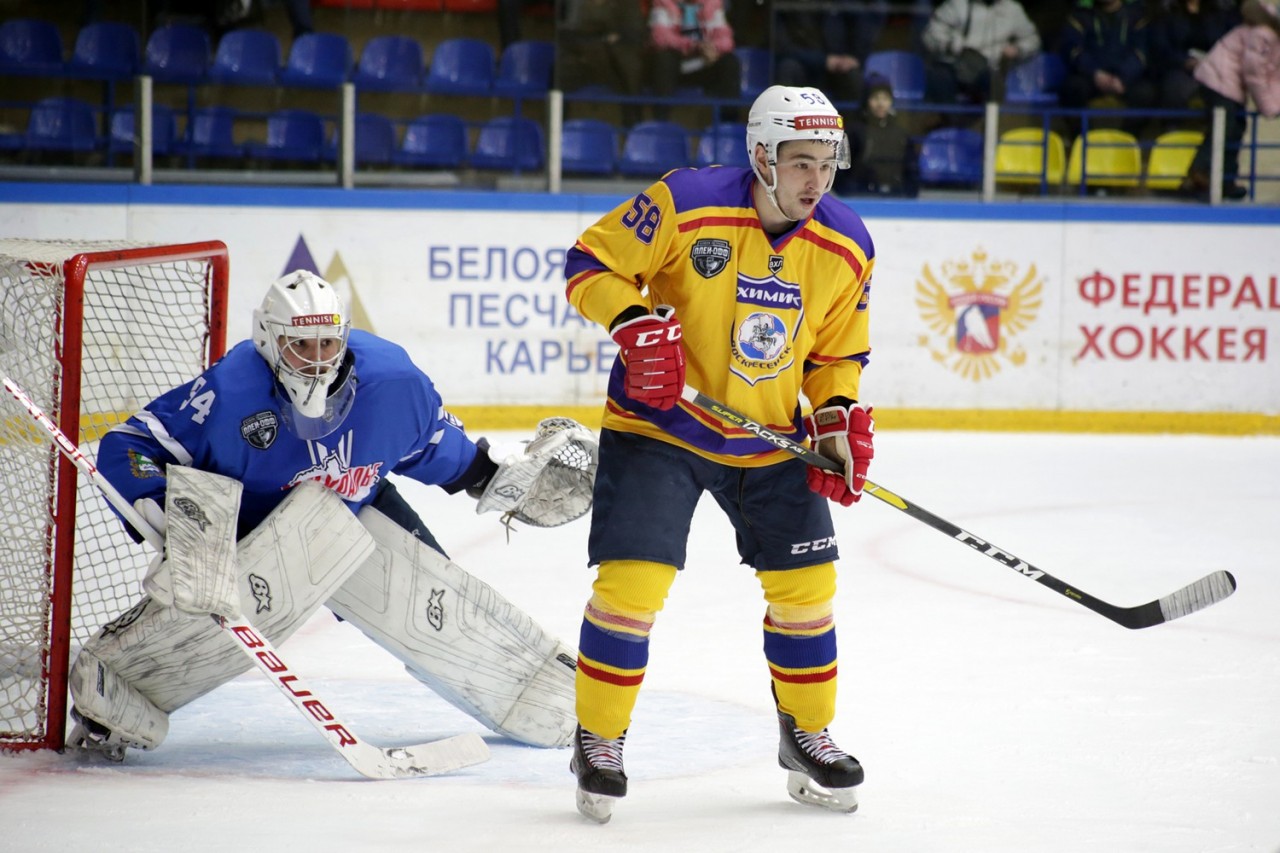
column 991, row 714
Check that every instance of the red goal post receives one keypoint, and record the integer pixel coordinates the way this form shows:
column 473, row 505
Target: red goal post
column 92, row 331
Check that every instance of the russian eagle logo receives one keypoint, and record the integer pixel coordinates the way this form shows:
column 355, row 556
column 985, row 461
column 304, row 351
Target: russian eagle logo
column 978, row 312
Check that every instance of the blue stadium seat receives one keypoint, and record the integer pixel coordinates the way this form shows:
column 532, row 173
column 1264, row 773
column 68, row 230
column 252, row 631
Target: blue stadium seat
column 106, row 50
column 211, row 133
column 525, row 69
column 508, row 142
column 1035, row 80
column 30, row 47
column 589, row 146
column 652, row 148
column 461, row 66
column 390, row 64
column 950, row 156
column 317, row 61
column 375, row 141
column 723, row 144
column 164, row 130
column 296, row 135
column 62, row 124
column 178, row 53
column 756, row 64
column 246, row 57
column 904, row 70
column 433, row 141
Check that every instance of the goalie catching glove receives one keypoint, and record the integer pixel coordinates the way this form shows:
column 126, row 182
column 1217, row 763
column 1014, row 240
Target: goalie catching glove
column 547, row 482
column 842, row 431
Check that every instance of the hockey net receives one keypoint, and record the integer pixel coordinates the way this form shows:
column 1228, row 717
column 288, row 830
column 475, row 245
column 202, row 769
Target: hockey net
column 92, row 331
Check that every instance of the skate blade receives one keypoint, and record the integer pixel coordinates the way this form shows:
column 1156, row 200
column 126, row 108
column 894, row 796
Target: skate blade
column 84, row 743
column 804, row 790
column 597, row 807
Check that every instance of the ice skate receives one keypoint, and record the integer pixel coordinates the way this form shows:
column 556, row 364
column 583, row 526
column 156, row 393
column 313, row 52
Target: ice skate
column 821, row 774
column 91, row 736
column 597, row 762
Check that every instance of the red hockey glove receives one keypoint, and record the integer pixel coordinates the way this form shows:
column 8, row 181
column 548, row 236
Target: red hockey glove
column 842, row 433
column 654, row 357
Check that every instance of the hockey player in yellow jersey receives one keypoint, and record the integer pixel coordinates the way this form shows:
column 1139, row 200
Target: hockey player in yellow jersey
column 751, row 285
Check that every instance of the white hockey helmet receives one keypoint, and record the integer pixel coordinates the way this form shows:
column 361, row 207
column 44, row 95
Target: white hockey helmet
column 301, row 330
column 785, row 113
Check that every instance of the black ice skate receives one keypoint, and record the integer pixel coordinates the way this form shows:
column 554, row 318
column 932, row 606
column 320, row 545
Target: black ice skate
column 597, row 762
column 92, row 736
column 821, row 774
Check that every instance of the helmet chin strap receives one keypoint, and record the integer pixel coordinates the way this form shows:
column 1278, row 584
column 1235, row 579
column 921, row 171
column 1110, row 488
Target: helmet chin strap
column 770, row 190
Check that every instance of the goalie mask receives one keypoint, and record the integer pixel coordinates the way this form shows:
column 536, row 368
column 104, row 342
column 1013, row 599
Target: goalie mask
column 301, row 331
column 792, row 113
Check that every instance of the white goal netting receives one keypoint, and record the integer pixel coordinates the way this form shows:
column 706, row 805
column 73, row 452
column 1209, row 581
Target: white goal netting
column 91, row 332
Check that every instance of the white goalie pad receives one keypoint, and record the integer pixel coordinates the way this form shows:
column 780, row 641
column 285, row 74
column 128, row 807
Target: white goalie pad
column 461, row 638
column 287, row 567
column 547, row 482
column 198, row 574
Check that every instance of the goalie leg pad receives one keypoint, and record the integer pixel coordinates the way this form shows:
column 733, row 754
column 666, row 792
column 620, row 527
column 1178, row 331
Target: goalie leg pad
column 461, row 638
column 288, row 566
column 104, row 697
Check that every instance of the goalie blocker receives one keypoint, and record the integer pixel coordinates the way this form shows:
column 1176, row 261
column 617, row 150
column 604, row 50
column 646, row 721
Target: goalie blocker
column 453, row 632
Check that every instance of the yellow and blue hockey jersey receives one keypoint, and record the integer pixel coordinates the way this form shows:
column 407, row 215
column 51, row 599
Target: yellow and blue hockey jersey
column 764, row 317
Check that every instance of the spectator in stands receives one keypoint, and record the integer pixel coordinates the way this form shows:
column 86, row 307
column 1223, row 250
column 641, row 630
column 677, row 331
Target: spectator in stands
column 826, row 51
column 1181, row 34
column 299, row 12
column 968, row 43
column 1104, row 49
column 509, row 12
column 693, row 46
column 1243, row 65
column 601, row 42
column 885, row 160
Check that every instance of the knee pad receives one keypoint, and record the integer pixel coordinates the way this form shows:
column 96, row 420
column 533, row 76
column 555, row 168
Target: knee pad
column 632, row 588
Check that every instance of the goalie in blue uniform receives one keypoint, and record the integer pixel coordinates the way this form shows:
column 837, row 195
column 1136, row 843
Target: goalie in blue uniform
column 290, row 438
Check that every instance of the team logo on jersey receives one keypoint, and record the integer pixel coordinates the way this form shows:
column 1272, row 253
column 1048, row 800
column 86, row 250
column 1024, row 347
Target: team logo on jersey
column 143, row 467
column 762, row 337
column 775, row 264
column 261, row 592
column 333, row 469
column 435, row 609
column 982, row 307
column 260, row 430
column 769, row 310
column 710, row 256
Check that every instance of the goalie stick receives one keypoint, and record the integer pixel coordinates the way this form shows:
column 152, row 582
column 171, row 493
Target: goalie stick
column 423, row 759
column 1195, row 596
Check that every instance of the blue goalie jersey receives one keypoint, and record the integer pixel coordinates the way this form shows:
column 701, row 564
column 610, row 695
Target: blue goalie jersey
column 229, row 421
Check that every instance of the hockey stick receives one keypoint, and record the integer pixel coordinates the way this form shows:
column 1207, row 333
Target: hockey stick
column 423, row 759
column 1195, row 596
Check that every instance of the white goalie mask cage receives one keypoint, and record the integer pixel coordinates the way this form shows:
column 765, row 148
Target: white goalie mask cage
column 786, row 113
column 301, row 330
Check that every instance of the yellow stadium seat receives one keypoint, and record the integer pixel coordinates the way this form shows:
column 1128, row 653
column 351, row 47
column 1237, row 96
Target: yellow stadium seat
column 1020, row 157
column 1113, row 159
column 1171, row 155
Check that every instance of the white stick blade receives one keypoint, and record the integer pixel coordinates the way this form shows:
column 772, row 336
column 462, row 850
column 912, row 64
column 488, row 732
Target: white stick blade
column 1208, row 590
column 426, row 759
